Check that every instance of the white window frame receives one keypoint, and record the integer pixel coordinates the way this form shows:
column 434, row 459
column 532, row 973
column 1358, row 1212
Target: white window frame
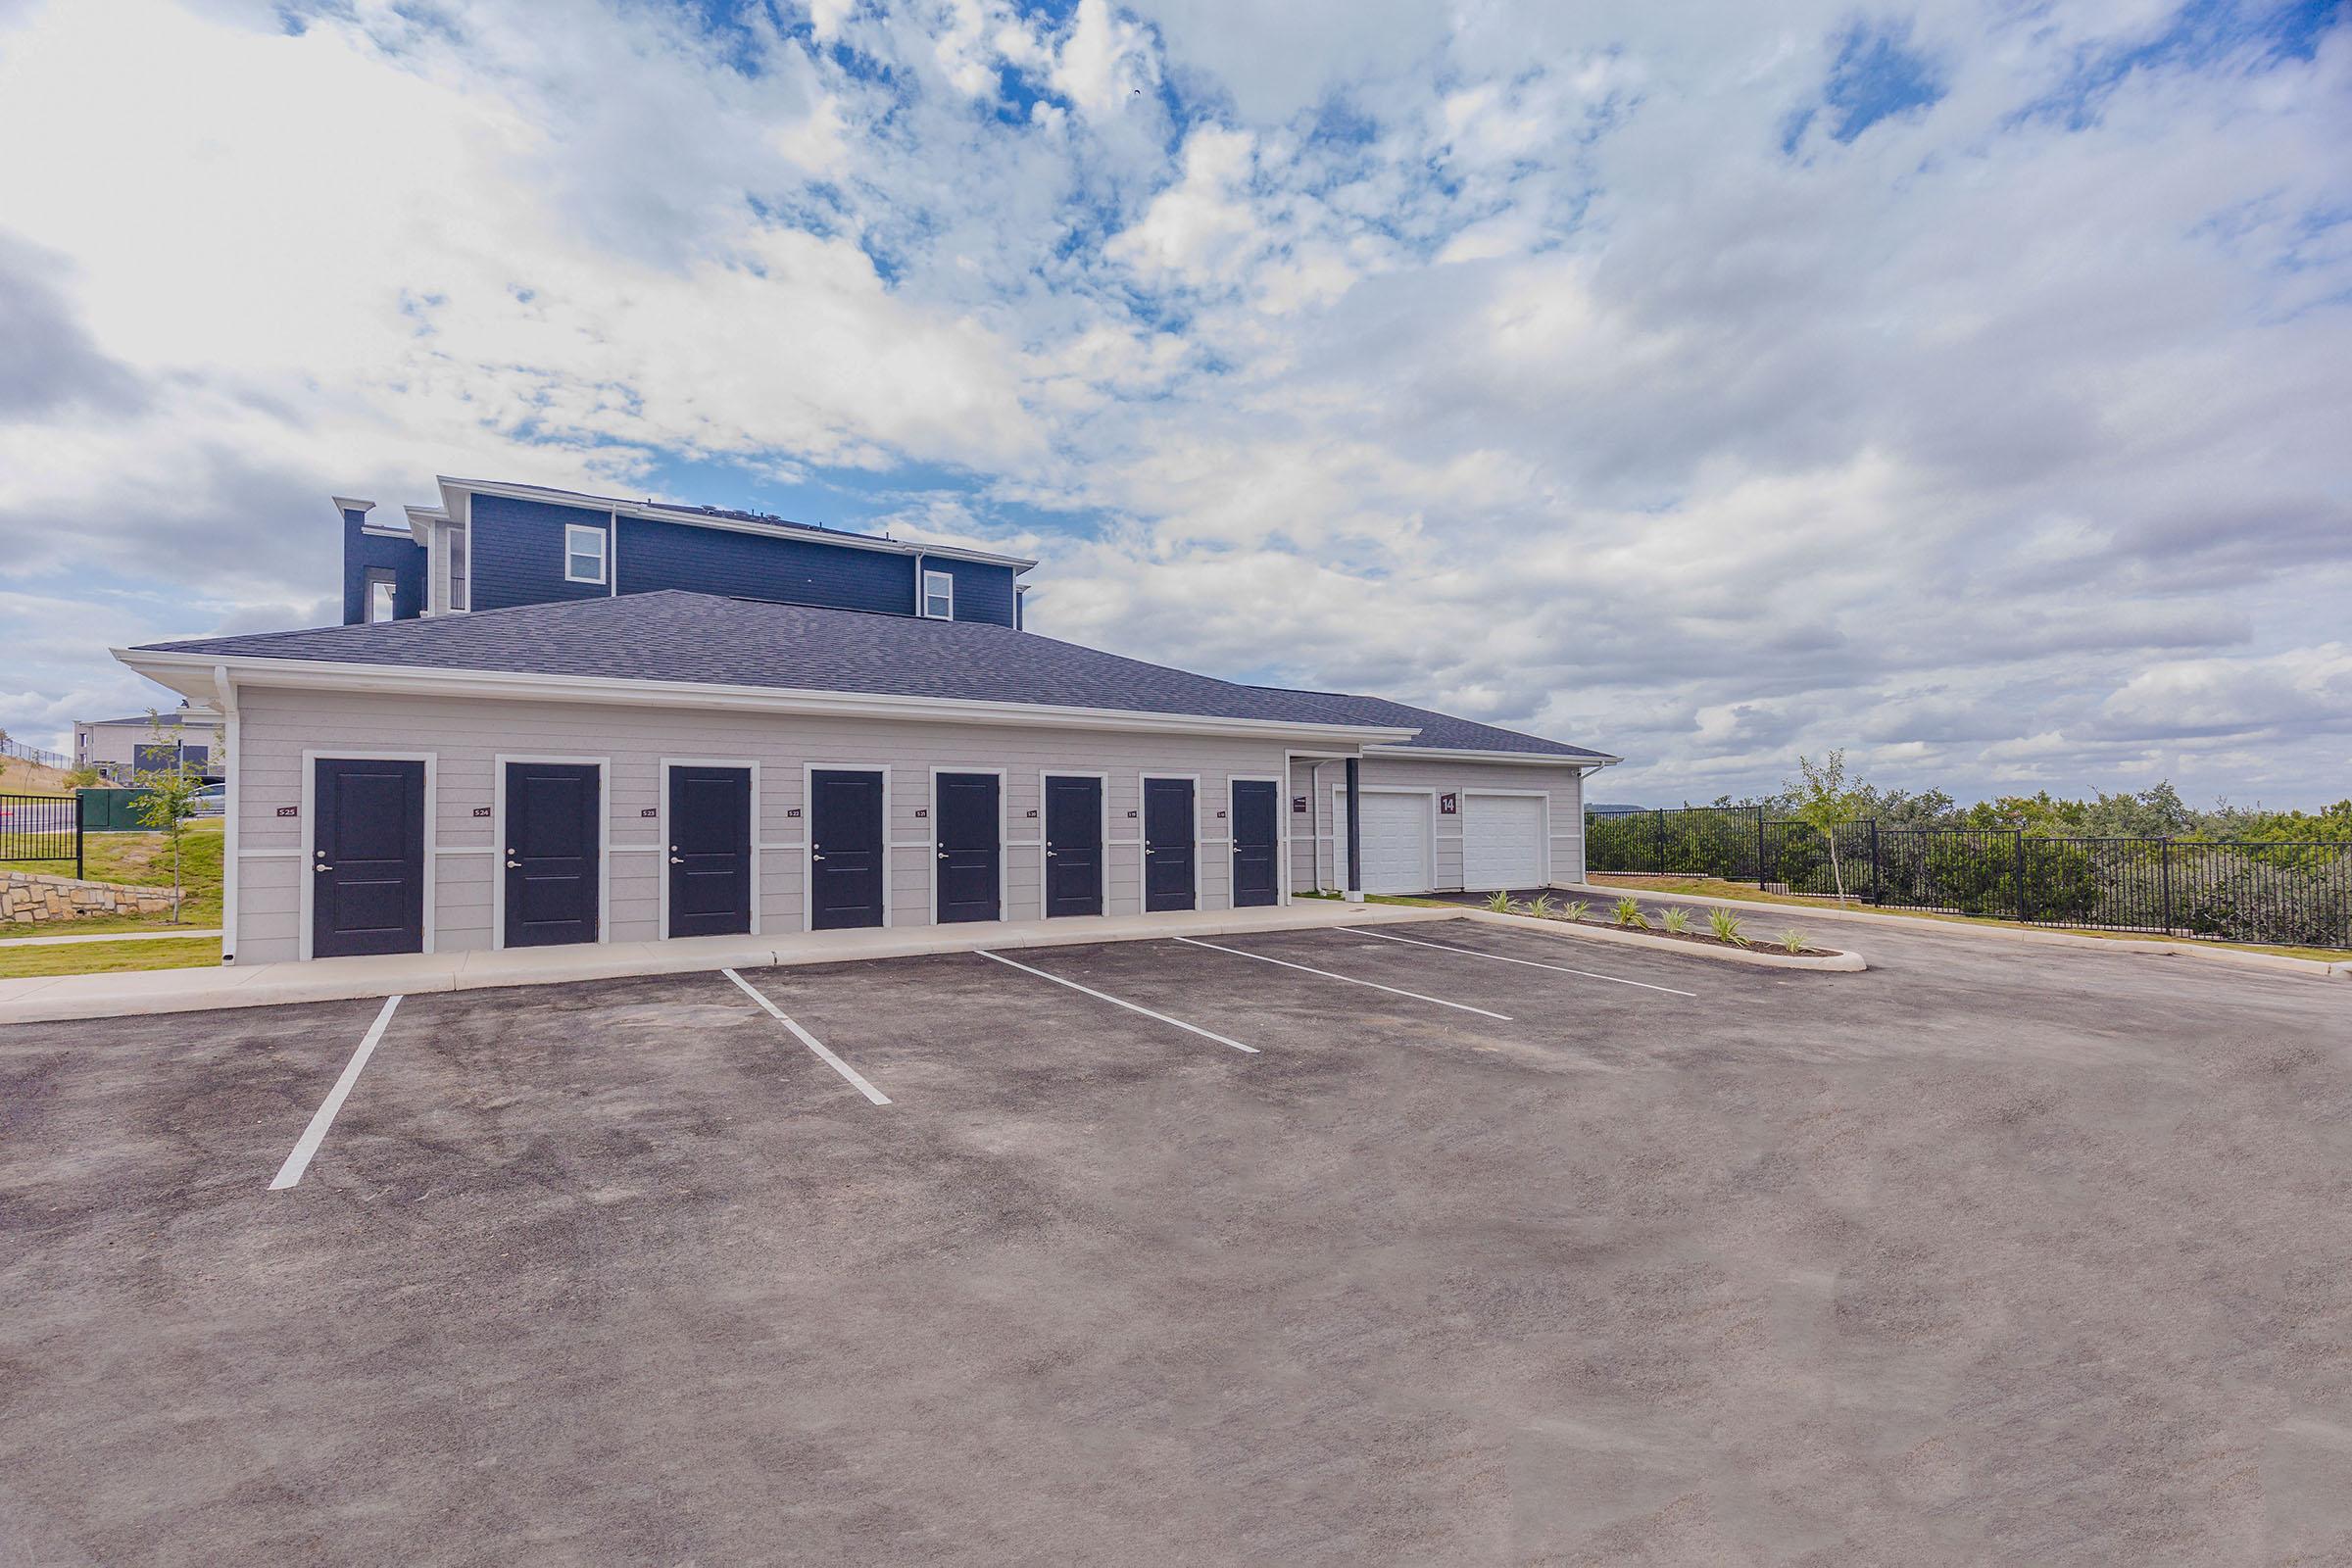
column 572, row 552
column 948, row 579
column 389, row 588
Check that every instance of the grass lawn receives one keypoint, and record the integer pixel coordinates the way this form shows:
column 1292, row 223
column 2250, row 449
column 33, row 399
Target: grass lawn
column 106, row 957
column 1667, row 887
column 141, row 859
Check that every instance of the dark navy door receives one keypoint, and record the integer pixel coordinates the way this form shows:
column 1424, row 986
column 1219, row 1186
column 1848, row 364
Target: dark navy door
column 1256, row 844
column 969, row 852
column 367, row 857
column 1073, row 846
column 709, row 851
column 554, row 856
column 1167, row 844
column 845, row 848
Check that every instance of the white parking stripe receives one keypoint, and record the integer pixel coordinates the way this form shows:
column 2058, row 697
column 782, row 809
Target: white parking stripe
column 1102, row 996
column 324, row 1117
column 810, row 1041
column 1473, row 952
column 1393, row 990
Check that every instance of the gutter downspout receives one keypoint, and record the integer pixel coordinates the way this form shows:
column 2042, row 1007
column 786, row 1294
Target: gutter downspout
column 233, row 738
column 612, row 548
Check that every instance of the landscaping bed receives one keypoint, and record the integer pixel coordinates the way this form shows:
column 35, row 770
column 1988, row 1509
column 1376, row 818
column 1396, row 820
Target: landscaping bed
column 1710, row 928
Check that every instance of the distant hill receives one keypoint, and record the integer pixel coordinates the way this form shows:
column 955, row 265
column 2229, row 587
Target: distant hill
column 20, row 777
column 1616, row 810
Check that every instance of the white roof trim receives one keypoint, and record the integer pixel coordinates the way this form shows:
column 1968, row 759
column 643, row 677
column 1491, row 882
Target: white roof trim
column 1442, row 754
column 423, row 520
column 451, row 488
column 197, row 671
column 343, row 503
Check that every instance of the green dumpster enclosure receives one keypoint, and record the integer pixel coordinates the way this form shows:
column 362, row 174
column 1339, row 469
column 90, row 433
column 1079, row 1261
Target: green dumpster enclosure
column 105, row 810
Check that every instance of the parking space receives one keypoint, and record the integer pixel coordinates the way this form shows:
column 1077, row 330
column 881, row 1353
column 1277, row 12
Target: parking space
column 1490, row 1246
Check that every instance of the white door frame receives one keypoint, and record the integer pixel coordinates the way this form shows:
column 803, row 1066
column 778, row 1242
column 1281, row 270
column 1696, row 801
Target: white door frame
column 1282, row 836
column 1142, row 830
column 1544, row 845
column 498, row 841
column 311, row 758
column 1339, row 823
column 1003, row 850
column 751, row 828
column 809, row 772
column 1101, row 849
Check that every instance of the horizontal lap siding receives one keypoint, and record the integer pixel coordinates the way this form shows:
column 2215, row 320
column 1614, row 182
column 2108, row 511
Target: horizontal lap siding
column 519, row 552
column 658, row 555
column 1564, row 786
column 464, row 736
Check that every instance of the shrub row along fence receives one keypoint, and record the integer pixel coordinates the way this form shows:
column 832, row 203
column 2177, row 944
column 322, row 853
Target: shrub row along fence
column 2285, row 894
column 40, row 827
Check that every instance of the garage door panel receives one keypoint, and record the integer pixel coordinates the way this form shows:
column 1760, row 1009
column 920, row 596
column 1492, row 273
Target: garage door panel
column 1502, row 841
column 1396, row 841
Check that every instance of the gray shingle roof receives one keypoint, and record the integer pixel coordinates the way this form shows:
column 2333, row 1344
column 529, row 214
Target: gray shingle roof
column 679, row 636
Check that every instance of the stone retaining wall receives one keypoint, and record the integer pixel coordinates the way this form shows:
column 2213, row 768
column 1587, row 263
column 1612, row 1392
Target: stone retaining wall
column 26, row 897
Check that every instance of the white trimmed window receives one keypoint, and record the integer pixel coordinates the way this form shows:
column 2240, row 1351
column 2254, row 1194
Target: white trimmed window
column 939, row 596
column 583, row 554
column 382, row 596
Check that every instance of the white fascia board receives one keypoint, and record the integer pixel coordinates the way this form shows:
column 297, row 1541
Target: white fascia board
column 193, row 673
column 423, row 520
column 1436, row 754
column 343, row 503
column 451, row 488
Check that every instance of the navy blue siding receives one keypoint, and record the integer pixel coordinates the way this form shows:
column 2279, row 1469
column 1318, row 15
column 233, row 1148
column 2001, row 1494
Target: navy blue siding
column 519, row 559
column 398, row 554
column 519, row 552
column 982, row 592
column 783, row 570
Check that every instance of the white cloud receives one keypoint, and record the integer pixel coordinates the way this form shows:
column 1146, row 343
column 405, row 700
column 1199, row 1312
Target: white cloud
column 1497, row 357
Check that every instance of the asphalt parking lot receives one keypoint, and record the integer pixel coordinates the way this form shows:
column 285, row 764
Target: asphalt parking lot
column 1987, row 1253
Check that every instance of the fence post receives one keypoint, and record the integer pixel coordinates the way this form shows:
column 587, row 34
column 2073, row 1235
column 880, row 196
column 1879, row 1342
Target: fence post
column 2024, row 914
column 1761, row 876
column 1661, row 841
column 78, row 870
column 2164, row 850
column 1878, row 890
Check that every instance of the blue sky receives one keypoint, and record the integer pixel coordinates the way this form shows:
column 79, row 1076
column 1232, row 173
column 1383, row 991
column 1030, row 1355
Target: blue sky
column 1962, row 385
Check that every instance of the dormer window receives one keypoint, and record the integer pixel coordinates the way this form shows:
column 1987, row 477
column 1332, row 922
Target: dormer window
column 939, row 596
column 583, row 554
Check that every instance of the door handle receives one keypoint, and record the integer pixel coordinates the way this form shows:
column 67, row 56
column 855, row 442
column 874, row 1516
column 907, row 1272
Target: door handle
column 1051, row 853
column 677, row 859
column 943, row 855
column 323, row 866
column 514, row 865
column 814, row 856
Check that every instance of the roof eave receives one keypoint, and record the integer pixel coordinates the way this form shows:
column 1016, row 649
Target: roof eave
column 195, row 675
column 1459, row 753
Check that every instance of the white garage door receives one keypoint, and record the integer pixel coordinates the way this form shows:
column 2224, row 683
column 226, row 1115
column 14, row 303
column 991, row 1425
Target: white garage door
column 1396, row 841
column 1502, row 842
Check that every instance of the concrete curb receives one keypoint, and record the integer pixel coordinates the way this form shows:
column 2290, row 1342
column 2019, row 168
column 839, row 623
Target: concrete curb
column 2277, row 963
column 53, row 999
column 1834, row 963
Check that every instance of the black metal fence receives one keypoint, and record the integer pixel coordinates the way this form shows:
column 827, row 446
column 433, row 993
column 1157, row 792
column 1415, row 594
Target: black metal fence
column 40, row 827
column 2277, row 892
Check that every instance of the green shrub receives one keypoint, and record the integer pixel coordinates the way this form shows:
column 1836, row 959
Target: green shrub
column 1793, row 938
column 1499, row 903
column 1628, row 913
column 1574, row 909
column 1726, row 925
column 1677, row 919
column 1541, row 908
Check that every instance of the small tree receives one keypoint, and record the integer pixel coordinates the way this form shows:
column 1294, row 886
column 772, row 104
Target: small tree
column 168, row 801
column 1823, row 800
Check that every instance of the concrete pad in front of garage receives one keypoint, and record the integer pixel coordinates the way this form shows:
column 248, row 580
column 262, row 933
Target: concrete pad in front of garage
column 60, row 998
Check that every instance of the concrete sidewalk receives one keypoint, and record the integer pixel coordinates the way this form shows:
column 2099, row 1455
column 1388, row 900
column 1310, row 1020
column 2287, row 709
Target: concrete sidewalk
column 50, row 998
